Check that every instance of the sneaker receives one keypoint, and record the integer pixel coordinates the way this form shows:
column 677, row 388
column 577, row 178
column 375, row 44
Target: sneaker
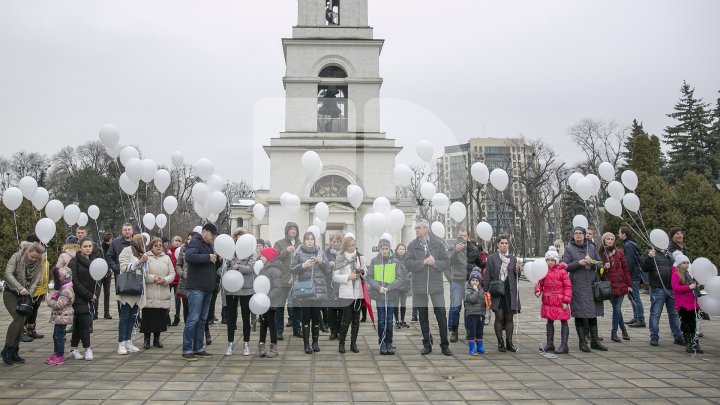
column 131, row 348
column 50, row 360
column 246, row 349
column 121, row 348
column 58, row 361
column 88, row 354
column 229, row 350
column 261, row 349
column 654, row 341
column 189, row 357
column 74, row 354
column 272, row 353
column 203, row 354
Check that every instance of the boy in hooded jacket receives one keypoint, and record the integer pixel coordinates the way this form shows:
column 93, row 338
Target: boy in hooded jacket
column 475, row 307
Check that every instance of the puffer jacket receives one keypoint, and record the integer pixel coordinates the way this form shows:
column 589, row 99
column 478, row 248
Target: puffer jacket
column 556, row 290
column 273, row 271
column 83, row 284
column 344, row 265
column 65, row 258
column 617, row 273
column 246, row 268
column 427, row 279
column 332, row 299
column 684, row 296
column 583, row 305
column 156, row 295
column 659, row 269
column 61, row 302
column 283, row 255
column 15, row 279
column 317, row 272
column 474, row 300
column 376, row 277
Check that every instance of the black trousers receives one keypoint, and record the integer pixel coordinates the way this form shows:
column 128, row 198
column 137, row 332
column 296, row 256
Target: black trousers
column 231, row 313
column 438, row 302
column 267, row 321
column 81, row 330
column 36, row 306
column 310, row 314
column 104, row 284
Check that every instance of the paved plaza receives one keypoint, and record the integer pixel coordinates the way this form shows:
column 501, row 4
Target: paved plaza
column 630, row 372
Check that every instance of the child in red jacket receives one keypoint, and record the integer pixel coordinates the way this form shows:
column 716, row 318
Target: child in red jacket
column 556, row 294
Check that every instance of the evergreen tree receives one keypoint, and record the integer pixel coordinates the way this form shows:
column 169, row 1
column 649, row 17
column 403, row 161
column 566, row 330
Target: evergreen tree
column 645, row 155
column 636, row 129
column 714, row 142
column 698, row 202
column 689, row 138
column 572, row 205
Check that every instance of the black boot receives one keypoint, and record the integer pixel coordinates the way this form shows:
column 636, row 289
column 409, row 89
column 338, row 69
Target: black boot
column 696, row 343
column 7, row 355
column 454, row 335
column 354, row 330
column 581, row 338
column 509, row 344
column 306, row 339
column 315, row 337
column 16, row 356
column 564, row 335
column 33, row 333
column 614, row 337
column 501, row 344
column 176, row 321
column 156, row 341
column 689, row 344
column 208, row 337
column 146, row 342
column 341, row 347
column 594, row 342
column 549, row 343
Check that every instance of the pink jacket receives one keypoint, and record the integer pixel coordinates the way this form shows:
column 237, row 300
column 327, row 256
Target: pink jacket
column 556, row 290
column 61, row 303
column 684, row 296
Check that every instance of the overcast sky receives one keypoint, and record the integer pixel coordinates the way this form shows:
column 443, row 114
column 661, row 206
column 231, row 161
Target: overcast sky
column 204, row 77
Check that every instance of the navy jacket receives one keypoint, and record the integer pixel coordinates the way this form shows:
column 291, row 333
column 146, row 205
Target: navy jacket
column 202, row 273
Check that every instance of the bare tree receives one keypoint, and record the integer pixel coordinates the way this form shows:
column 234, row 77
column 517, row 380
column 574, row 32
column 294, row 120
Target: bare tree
column 29, row 164
column 421, row 174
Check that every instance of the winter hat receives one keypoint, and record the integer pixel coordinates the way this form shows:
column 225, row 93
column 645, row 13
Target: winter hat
column 210, row 228
column 674, row 230
column 607, row 235
column 680, row 259
column 270, row 254
column 475, row 274
column 384, row 242
column 579, row 228
column 552, row 254
column 71, row 240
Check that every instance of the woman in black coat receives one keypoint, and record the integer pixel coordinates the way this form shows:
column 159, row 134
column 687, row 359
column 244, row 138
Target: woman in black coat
column 502, row 269
column 85, row 299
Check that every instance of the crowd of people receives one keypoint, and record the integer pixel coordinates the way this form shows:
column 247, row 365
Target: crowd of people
column 331, row 291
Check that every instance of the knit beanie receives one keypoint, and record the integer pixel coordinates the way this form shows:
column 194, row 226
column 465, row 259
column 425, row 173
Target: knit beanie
column 579, row 228
column 552, row 254
column 270, row 254
column 680, row 259
column 476, row 274
column 384, row 242
column 606, row 235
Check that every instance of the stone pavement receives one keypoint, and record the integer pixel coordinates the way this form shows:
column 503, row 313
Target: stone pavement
column 631, row 372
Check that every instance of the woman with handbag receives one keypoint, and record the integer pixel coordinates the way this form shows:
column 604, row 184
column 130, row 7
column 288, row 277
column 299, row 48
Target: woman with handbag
column 501, row 282
column 616, row 271
column 129, row 287
column 239, row 298
column 158, row 297
column 583, row 263
column 309, row 291
column 85, row 288
column 348, row 274
column 22, row 277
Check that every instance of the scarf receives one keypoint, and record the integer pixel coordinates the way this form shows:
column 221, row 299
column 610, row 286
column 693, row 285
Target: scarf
column 504, row 267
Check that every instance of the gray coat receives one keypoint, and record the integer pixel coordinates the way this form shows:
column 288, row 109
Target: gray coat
column 492, row 273
column 317, row 272
column 247, row 270
column 427, row 280
column 582, row 305
column 474, row 300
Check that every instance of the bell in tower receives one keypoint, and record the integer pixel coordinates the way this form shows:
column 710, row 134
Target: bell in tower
column 332, row 12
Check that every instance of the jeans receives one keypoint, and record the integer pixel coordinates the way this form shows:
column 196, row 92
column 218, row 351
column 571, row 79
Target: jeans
column 128, row 316
column 194, row 333
column 59, row 339
column 457, row 294
column 636, row 302
column 280, row 311
column 385, row 310
column 617, row 318
column 474, row 326
column 658, row 298
column 438, row 301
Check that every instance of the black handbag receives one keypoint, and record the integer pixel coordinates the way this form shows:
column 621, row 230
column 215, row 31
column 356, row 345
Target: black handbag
column 496, row 288
column 602, row 291
column 25, row 305
column 129, row 283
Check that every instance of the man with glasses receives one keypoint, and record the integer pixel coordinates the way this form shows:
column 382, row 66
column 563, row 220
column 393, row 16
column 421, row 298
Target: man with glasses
column 427, row 259
column 200, row 283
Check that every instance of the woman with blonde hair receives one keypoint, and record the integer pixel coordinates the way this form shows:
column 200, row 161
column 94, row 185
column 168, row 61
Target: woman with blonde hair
column 132, row 259
column 348, row 274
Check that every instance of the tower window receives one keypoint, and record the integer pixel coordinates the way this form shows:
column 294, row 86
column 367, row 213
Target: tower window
column 332, row 12
column 333, row 71
column 332, row 108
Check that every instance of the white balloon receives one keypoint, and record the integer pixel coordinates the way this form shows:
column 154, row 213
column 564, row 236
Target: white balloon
column 215, row 183
column 403, row 175
column 71, row 214
column 428, row 190
column 584, row 188
column 45, row 229
column 12, row 198
column 225, row 246
column 212, row 217
column 458, row 211
column 440, row 203
column 425, row 150
column 709, row 304
column 200, row 192
column 378, row 223
column 484, row 231
column 480, row 172
column 283, row 198
column 631, row 202
column 148, row 171
column 438, row 229
column 311, row 163
column 366, row 223
column 573, row 179
column 614, row 207
column 381, row 205
column 259, row 304
column 134, row 169
column 149, row 221
column 607, row 171
column 616, row 190
column 245, row 246
column 712, row 286
column 161, row 220
column 349, row 235
column 170, row 204
column 387, row 237
column 201, row 209
column 320, row 224
column 322, row 211
column 217, row 202
column 28, row 186
column 109, row 136
column 258, row 266
column 162, row 180
column 128, row 153
column 292, row 203
column 204, row 168
column 499, row 179
column 396, row 220
column 40, row 198
column 54, row 210
column 232, row 281
column 539, row 269
column 659, row 239
column 529, row 274
column 197, row 229
column 98, row 269
column 93, row 211
column 595, row 180
column 177, row 158
column 629, row 179
column 703, row 270
column 127, row 185
column 114, row 152
column 82, row 219
column 259, row 212
column 355, row 195
column 261, row 285
column 581, row 221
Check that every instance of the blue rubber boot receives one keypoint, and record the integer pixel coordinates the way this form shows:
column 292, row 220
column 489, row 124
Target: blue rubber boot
column 471, row 348
column 479, row 347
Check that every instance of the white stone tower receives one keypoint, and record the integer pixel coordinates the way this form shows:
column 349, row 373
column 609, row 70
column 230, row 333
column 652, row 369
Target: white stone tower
column 332, row 84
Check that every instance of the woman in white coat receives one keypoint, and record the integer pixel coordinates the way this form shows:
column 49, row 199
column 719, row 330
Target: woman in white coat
column 347, row 279
column 158, row 297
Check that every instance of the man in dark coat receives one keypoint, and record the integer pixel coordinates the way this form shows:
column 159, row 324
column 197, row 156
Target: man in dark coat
column 286, row 248
column 631, row 250
column 427, row 260
column 462, row 260
column 658, row 264
column 200, row 283
column 677, row 241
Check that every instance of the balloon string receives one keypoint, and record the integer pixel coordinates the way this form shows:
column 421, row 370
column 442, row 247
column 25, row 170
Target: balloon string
column 17, row 233
column 99, row 238
column 122, row 202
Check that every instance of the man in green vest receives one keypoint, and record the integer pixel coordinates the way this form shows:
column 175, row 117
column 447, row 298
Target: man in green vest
column 385, row 276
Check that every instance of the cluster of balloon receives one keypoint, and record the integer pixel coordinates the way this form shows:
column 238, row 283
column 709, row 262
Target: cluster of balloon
column 384, row 218
column 706, row 274
column 584, row 186
column 536, row 270
column 209, row 199
column 290, row 202
column 319, row 225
